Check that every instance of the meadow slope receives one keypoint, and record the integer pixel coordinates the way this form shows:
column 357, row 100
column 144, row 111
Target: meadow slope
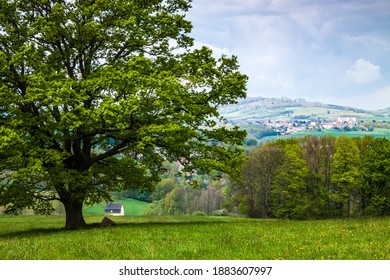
column 194, row 238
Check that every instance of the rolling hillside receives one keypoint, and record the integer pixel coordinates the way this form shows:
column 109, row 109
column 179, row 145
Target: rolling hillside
column 266, row 119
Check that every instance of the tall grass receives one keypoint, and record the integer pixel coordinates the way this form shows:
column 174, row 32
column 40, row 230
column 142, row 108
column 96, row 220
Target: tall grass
column 195, row 238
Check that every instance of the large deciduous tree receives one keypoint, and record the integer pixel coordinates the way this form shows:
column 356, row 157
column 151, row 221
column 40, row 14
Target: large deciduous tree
column 376, row 173
column 96, row 94
column 290, row 195
column 258, row 175
column 318, row 153
column 346, row 178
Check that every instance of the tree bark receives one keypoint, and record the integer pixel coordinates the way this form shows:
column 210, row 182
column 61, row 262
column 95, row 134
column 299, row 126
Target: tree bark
column 74, row 213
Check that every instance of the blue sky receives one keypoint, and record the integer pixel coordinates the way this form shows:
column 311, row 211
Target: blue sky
column 332, row 51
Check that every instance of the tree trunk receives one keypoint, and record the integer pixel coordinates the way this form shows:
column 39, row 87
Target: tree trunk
column 74, row 213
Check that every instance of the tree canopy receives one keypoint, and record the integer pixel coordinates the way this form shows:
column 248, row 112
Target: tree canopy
column 95, row 95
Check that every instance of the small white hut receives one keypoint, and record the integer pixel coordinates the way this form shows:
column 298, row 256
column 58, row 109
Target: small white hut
column 112, row 209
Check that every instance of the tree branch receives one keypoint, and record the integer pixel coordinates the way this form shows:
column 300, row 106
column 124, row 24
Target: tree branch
column 114, row 151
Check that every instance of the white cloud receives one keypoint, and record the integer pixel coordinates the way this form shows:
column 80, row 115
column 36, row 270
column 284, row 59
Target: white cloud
column 363, row 72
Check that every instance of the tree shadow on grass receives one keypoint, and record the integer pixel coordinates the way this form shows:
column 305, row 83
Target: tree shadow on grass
column 31, row 232
column 144, row 224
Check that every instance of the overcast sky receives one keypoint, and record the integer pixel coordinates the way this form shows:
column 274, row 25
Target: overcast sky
column 332, row 51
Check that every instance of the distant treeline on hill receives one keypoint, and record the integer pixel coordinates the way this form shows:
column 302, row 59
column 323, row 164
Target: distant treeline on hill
column 338, row 107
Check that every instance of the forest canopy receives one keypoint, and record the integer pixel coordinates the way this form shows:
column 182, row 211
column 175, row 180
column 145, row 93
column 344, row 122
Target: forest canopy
column 317, row 177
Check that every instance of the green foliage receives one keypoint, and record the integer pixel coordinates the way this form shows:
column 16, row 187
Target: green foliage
column 199, row 213
column 177, row 196
column 187, row 200
column 221, row 212
column 313, row 177
column 94, row 100
column 140, row 195
column 164, row 187
column 346, row 166
column 289, row 193
column 258, row 131
column 250, row 142
column 254, row 192
column 376, row 170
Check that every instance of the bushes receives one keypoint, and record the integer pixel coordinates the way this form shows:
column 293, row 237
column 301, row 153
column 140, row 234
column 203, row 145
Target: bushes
column 221, row 212
column 199, row 213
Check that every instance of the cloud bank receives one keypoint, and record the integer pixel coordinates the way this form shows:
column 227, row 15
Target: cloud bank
column 329, row 51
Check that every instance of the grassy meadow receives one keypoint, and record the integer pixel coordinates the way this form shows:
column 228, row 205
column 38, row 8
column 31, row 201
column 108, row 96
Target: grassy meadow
column 377, row 133
column 194, row 238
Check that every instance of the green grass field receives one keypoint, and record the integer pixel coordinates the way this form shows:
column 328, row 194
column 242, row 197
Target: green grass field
column 132, row 207
column 194, row 238
column 377, row 133
column 333, row 113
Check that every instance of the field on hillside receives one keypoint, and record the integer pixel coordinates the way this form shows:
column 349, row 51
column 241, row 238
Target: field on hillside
column 329, row 113
column 377, row 133
column 132, row 207
column 194, row 238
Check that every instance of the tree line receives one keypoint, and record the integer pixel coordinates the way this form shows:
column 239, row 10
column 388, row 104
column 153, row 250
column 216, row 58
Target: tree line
column 316, row 177
column 176, row 195
column 297, row 178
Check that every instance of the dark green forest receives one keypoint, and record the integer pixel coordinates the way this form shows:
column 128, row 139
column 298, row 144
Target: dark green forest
column 303, row 178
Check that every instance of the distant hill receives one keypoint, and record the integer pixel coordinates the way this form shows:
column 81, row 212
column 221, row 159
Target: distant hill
column 281, row 108
column 384, row 112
